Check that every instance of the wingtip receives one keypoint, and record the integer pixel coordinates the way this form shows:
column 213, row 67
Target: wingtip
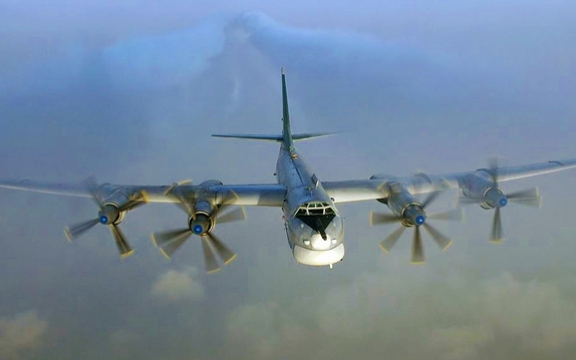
column 282, row 70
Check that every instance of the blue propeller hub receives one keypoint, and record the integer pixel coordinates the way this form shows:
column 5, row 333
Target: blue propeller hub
column 103, row 219
column 198, row 229
column 502, row 202
column 420, row 219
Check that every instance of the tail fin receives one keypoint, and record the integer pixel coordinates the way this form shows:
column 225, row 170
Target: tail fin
column 287, row 139
column 286, row 134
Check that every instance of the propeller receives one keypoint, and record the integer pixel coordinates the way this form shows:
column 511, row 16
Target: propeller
column 200, row 225
column 107, row 215
column 496, row 199
column 415, row 216
column 176, row 191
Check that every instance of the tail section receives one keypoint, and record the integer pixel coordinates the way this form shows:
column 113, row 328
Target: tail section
column 287, row 139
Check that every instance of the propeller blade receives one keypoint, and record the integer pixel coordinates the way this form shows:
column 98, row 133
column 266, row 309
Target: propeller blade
column 528, row 193
column 140, row 199
column 443, row 241
column 534, row 202
column 450, row 215
column 493, row 165
column 417, row 249
column 169, row 249
column 528, row 197
column 387, row 244
column 431, row 197
column 164, row 238
column 76, row 230
column 226, row 216
column 497, row 232
column 464, row 200
column 225, row 253
column 209, row 257
column 123, row 247
column 176, row 184
column 175, row 191
column 377, row 218
column 92, row 187
column 169, row 246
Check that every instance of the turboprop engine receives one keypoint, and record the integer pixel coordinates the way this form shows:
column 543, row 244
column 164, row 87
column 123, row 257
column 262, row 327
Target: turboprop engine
column 482, row 188
column 203, row 214
column 111, row 212
column 411, row 213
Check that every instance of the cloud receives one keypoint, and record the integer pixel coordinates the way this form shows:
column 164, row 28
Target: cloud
column 463, row 319
column 510, row 317
column 143, row 63
column 175, row 286
column 23, row 331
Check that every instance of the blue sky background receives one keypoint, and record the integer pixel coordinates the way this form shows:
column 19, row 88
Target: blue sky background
column 131, row 91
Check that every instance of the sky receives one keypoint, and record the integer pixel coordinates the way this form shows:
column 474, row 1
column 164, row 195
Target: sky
column 130, row 92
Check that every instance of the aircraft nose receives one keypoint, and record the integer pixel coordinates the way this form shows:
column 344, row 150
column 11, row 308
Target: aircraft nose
column 320, row 244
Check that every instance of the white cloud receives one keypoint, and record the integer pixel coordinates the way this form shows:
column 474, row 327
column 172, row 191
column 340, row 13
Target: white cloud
column 174, row 286
column 500, row 318
column 23, row 331
column 530, row 316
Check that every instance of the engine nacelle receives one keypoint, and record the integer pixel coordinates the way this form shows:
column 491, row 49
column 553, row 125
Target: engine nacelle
column 403, row 205
column 476, row 185
column 110, row 214
column 479, row 186
column 201, row 224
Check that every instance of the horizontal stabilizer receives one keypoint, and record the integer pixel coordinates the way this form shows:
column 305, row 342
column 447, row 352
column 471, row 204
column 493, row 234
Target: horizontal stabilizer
column 276, row 138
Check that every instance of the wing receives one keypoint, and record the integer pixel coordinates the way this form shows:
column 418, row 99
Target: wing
column 378, row 187
column 241, row 195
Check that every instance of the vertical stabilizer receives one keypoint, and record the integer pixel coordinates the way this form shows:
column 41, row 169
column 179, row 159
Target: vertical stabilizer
column 286, row 134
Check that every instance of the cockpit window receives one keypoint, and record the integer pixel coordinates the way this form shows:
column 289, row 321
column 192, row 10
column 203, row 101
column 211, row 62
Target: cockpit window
column 316, row 215
column 315, row 208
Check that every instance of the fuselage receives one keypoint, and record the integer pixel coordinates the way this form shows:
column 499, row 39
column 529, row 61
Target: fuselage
column 313, row 225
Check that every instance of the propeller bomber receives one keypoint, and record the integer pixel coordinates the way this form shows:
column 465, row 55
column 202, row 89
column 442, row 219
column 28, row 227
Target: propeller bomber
column 314, row 226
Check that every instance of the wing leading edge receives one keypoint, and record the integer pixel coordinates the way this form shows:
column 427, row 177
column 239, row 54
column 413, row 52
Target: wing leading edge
column 375, row 188
column 241, row 195
column 274, row 194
